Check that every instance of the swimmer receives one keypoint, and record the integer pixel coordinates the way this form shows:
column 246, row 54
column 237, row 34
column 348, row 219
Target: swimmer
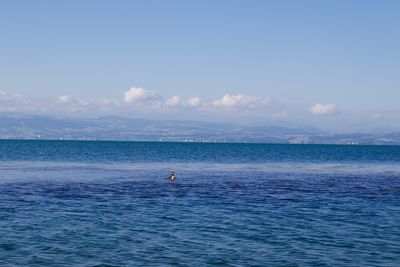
column 172, row 176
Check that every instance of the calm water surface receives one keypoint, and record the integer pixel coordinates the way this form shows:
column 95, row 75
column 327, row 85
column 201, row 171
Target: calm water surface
column 65, row 203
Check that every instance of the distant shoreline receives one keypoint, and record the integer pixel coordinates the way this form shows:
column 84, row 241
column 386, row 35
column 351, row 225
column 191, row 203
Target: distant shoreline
column 189, row 142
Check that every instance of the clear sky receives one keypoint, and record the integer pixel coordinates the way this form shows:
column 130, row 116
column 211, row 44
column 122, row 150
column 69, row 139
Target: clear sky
column 329, row 64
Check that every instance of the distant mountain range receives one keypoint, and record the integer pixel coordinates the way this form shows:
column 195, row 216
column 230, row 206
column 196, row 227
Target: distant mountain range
column 20, row 126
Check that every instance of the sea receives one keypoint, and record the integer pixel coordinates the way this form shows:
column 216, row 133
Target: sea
column 104, row 203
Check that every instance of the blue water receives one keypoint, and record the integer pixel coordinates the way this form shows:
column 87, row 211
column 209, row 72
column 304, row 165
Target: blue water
column 65, row 203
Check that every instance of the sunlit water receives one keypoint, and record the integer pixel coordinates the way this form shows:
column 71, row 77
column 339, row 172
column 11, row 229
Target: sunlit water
column 111, row 204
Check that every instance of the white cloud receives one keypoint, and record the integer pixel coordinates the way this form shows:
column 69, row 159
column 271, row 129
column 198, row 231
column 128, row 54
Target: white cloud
column 108, row 103
column 13, row 99
column 135, row 95
column 323, row 109
column 228, row 101
column 67, row 103
column 78, row 105
column 172, row 101
column 143, row 101
column 194, row 101
column 232, row 101
column 64, row 99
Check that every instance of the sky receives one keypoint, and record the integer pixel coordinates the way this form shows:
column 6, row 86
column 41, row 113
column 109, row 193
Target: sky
column 328, row 64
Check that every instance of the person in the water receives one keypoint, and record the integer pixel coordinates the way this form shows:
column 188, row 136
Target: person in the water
column 172, row 176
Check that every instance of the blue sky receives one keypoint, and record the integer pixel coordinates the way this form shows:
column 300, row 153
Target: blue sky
column 329, row 64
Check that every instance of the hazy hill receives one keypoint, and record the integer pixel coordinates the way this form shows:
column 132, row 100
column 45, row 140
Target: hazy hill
column 20, row 126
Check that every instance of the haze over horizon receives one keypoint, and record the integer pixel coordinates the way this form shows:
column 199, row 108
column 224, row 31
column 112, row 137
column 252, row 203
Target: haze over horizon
column 330, row 65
